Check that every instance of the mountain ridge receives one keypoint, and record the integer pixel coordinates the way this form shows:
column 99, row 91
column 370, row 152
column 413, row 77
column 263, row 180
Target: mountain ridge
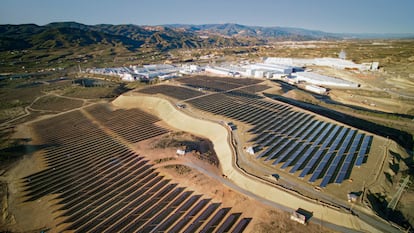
column 65, row 34
column 160, row 37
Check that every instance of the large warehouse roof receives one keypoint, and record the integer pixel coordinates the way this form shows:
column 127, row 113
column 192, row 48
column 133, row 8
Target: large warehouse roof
column 323, row 80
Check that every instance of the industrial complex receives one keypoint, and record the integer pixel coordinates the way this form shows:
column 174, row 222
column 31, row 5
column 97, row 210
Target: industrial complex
column 290, row 70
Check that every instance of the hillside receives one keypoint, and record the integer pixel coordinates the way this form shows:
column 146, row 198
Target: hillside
column 162, row 38
column 237, row 30
column 72, row 34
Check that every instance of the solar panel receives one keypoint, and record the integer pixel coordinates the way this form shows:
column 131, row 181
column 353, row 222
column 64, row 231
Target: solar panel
column 319, row 152
column 364, row 150
column 254, row 112
column 348, row 139
column 344, row 146
column 265, row 135
column 329, row 173
column 300, row 126
column 297, row 128
column 355, row 143
column 334, row 132
column 289, row 123
column 312, row 136
column 322, row 134
column 328, row 140
column 315, row 123
column 269, row 141
column 321, row 166
column 338, row 139
column 275, row 153
column 313, row 160
column 271, row 148
column 294, row 155
column 349, row 158
column 286, row 153
column 256, row 120
column 302, row 159
column 344, row 168
column 266, row 125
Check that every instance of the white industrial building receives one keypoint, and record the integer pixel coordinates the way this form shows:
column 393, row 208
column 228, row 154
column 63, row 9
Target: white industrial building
column 322, row 80
column 109, row 71
column 316, row 89
column 325, row 61
column 156, row 70
column 220, row 70
column 127, row 77
column 277, row 68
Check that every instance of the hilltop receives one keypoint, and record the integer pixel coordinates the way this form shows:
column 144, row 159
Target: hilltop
column 132, row 37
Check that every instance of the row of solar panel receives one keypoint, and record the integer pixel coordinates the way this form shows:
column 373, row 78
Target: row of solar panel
column 319, row 148
column 289, row 132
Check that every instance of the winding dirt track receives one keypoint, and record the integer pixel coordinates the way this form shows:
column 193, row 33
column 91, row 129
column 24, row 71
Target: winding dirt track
column 219, row 136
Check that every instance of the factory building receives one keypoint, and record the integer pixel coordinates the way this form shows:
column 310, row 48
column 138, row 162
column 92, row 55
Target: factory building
column 190, row 69
column 156, row 70
column 276, row 68
column 322, row 80
column 219, row 70
column 336, row 63
column 316, row 89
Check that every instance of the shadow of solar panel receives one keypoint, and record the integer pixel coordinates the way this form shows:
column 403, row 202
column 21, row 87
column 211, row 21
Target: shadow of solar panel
column 202, row 218
column 214, row 222
column 187, row 218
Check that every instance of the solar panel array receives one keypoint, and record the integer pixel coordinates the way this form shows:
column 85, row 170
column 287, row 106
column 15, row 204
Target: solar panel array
column 291, row 140
column 103, row 186
column 180, row 93
column 217, row 83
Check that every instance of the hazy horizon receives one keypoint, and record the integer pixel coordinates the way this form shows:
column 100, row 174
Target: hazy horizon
column 351, row 16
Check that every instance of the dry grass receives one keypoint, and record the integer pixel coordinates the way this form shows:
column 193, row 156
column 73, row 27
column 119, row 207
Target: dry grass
column 54, row 103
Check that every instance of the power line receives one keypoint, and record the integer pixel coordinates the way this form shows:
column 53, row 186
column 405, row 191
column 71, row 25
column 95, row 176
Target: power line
column 396, row 198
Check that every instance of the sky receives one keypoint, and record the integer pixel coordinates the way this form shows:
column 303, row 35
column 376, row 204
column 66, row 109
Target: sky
column 343, row 16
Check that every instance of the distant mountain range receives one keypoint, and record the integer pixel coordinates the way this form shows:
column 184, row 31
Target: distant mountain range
column 72, row 34
column 163, row 37
column 237, row 30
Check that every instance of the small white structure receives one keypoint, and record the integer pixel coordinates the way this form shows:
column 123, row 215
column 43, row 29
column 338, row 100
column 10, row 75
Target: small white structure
column 316, row 89
column 375, row 65
column 194, row 68
column 342, row 55
column 180, row 152
column 250, row 150
column 127, row 77
column 297, row 217
column 352, row 197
